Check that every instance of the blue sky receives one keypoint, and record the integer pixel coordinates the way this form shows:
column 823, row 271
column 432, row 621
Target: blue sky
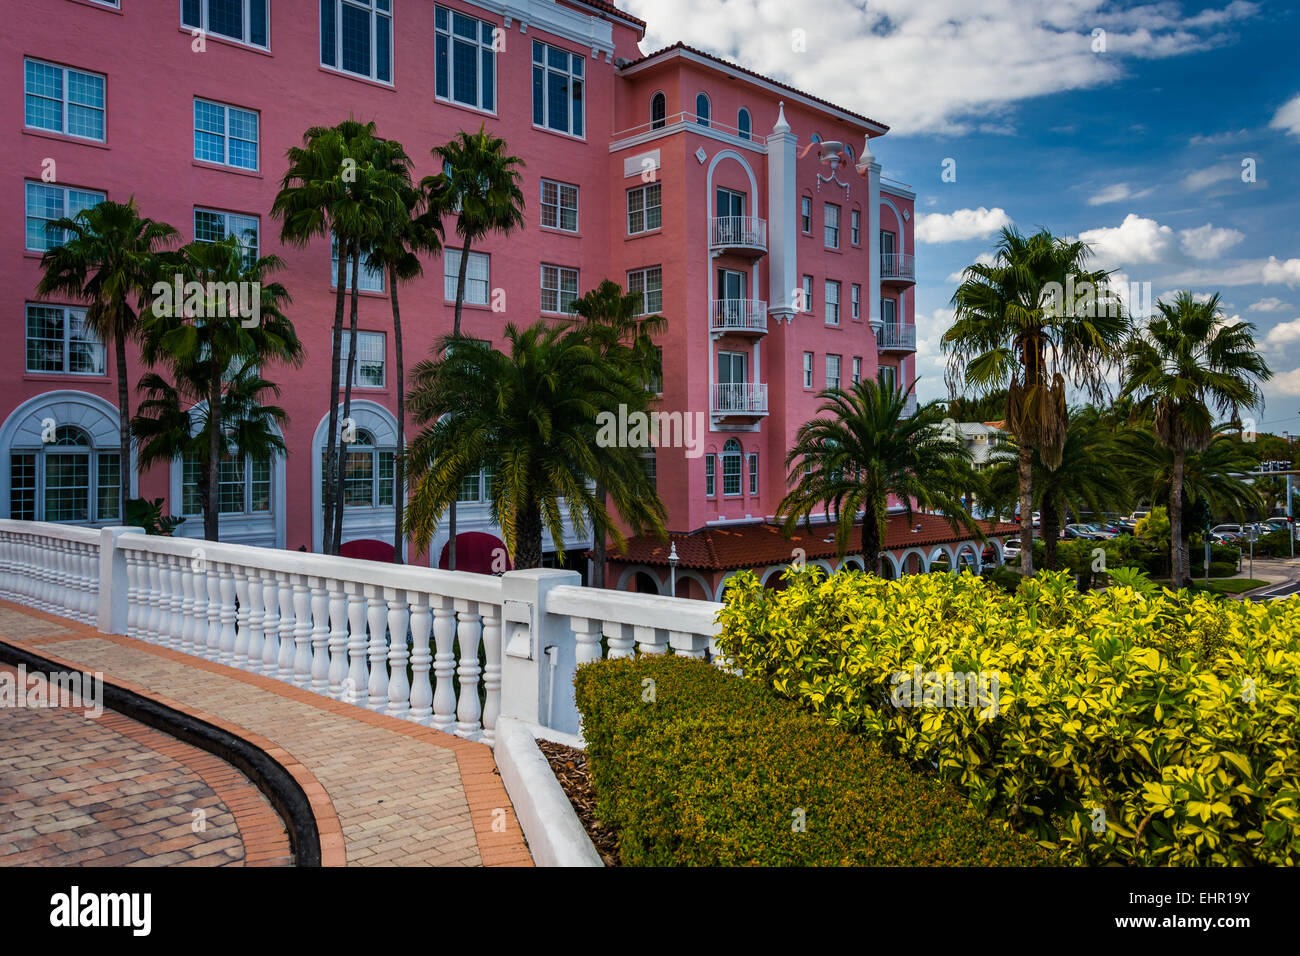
column 1137, row 148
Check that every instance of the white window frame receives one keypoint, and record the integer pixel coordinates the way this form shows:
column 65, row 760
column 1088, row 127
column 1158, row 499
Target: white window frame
column 808, row 359
column 855, row 227
column 65, row 100
column 451, row 270
column 483, row 42
column 705, row 118
column 857, row 369
column 831, row 231
column 247, row 40
column 41, row 455
column 805, row 215
column 70, row 318
column 733, row 464
column 378, row 10
column 855, row 294
column 807, row 293
column 65, row 202
column 560, row 273
column 645, row 192
column 365, row 340
column 232, row 223
column 374, row 451
column 645, row 275
column 226, row 136
column 886, row 312
column 710, row 476
column 835, row 362
column 369, row 278
column 246, row 482
column 557, row 209
column 482, row 487
column 751, row 462
column 832, row 301
column 574, row 77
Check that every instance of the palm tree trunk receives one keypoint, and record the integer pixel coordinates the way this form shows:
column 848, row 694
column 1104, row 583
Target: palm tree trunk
column 331, row 446
column 455, row 330
column 1025, row 477
column 1177, row 569
column 124, row 428
column 871, row 544
column 347, row 395
column 212, row 507
column 399, row 492
column 528, row 538
column 1051, row 532
column 598, row 544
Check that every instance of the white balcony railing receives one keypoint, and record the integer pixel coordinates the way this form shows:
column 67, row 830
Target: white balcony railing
column 909, row 407
column 897, row 265
column 737, row 315
column 738, row 233
column 897, row 336
column 739, row 398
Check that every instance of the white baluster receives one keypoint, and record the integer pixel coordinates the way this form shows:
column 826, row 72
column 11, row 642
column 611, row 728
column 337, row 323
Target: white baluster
column 468, row 631
column 399, row 687
column 58, row 579
column 587, row 633
column 270, row 624
column 492, row 672
column 621, row 643
column 358, row 682
column 338, row 642
column 377, row 617
column 444, row 665
column 687, row 645
column 153, row 629
column 320, row 636
column 284, row 665
column 239, row 656
column 213, row 640
column 90, row 581
column 186, row 636
column 650, row 640
column 199, row 630
column 256, row 621
column 301, row 632
column 226, row 582
column 132, row 593
column 175, row 599
column 421, row 690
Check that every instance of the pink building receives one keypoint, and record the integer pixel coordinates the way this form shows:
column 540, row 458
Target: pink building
column 751, row 214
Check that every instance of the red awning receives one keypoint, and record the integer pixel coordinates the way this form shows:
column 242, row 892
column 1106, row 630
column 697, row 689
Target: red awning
column 477, row 551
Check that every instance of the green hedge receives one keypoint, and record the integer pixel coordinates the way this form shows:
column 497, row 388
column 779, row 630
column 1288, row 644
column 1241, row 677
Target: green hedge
column 712, row 770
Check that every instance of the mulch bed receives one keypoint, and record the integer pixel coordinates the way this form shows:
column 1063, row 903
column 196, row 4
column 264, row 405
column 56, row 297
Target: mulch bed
column 570, row 769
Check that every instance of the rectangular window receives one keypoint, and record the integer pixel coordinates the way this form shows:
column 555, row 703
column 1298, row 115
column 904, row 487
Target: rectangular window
column 22, row 486
column 807, row 370
column 805, row 215
column 753, row 472
column 807, row 293
column 650, row 467
column 855, row 227
column 644, row 208
column 656, row 384
column 58, row 341
column 832, row 302
column 887, row 376
column 240, row 20
column 889, row 311
column 356, row 36
column 649, row 284
column 857, row 369
column 557, row 89
column 225, row 135
column 63, row 100
column 730, row 473
column 477, row 276
column 559, row 206
column 46, row 204
column 211, row 225
column 465, row 61
column 832, row 226
column 856, row 294
column 370, row 278
column 833, row 371
column 710, row 475
column 476, row 486
column 559, row 288
column 243, row 487
column 369, row 369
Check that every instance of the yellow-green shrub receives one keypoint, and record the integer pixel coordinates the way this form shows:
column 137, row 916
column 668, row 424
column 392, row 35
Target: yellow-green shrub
column 1174, row 715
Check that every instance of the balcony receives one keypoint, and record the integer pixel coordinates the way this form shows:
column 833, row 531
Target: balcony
column 737, row 317
column 741, row 235
column 898, row 267
column 896, row 337
column 909, row 406
column 739, row 400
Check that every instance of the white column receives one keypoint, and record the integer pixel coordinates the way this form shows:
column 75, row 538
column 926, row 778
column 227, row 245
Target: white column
column 320, row 636
column 284, row 663
column 621, row 643
column 587, row 634
column 227, row 584
column 239, row 656
column 256, row 621
column 399, row 688
column 782, row 220
column 468, row 631
column 492, row 671
column 301, row 632
column 213, row 642
column 377, row 617
column 444, row 665
column 358, row 674
column 421, row 690
column 270, row 623
column 338, row 641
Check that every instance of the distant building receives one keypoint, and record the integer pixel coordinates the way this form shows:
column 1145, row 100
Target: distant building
column 982, row 439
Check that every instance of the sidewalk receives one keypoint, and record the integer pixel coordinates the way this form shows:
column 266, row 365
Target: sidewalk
column 383, row 791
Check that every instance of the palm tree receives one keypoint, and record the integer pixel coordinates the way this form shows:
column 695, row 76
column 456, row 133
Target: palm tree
column 1084, row 481
column 109, row 259
column 1015, row 328
column 213, row 405
column 479, row 184
column 1186, row 361
column 528, row 415
column 625, row 337
column 407, row 233
column 860, row 450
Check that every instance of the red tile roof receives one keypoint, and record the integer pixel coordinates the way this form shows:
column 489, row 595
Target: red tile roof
column 766, row 79
column 726, row 547
column 610, row 8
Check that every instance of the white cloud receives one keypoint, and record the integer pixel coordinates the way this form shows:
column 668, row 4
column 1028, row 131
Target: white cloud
column 1116, row 193
column 1203, row 178
column 1284, row 333
column 984, row 259
column 1287, row 383
column 1252, row 272
column 1275, row 270
column 940, row 66
column 1135, row 240
column 960, row 224
column 1288, row 117
column 1216, row 139
column 1207, row 242
column 1270, row 304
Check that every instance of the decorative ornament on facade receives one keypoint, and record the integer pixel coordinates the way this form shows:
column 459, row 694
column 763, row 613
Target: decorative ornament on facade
column 907, row 215
column 832, row 153
column 701, row 155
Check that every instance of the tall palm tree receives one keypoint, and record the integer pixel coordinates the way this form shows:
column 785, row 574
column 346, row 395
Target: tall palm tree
column 861, row 449
column 529, row 415
column 215, row 360
column 407, row 234
column 1188, row 362
column 624, row 336
column 479, row 184
column 1084, row 481
column 109, row 259
column 1015, row 328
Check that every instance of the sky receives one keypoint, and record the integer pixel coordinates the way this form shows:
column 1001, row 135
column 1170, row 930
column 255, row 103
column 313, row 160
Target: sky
column 1167, row 135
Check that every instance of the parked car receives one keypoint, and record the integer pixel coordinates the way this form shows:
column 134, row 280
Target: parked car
column 1072, row 531
column 1137, row 516
column 1011, row 548
column 1101, row 532
column 1234, row 529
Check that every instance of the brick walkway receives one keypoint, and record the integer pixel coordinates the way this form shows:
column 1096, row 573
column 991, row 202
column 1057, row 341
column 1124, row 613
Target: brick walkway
column 383, row 791
column 108, row 791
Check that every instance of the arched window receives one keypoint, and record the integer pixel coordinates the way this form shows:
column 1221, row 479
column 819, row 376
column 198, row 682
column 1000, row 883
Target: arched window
column 702, row 109
column 658, row 111
column 848, row 151
column 816, row 137
column 65, row 480
column 244, row 487
column 744, row 124
column 731, row 467
column 369, row 476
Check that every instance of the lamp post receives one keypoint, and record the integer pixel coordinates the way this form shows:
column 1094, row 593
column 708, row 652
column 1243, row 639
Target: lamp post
column 672, row 569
